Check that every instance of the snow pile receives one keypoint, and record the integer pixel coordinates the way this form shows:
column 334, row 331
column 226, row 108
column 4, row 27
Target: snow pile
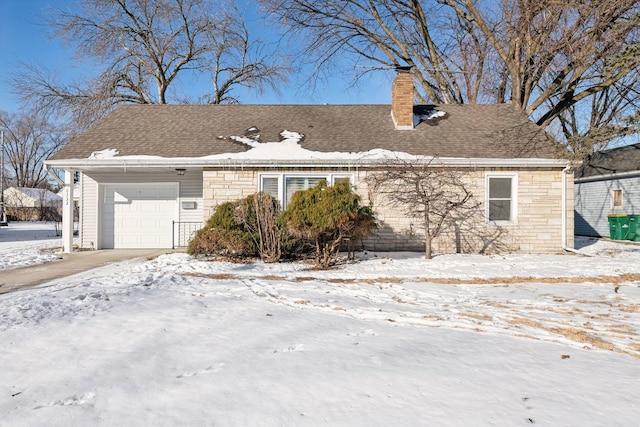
column 104, row 154
column 428, row 115
column 289, row 148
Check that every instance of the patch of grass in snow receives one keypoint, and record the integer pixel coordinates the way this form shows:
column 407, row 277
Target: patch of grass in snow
column 577, row 335
column 476, row 316
column 621, row 278
column 589, row 322
column 582, row 336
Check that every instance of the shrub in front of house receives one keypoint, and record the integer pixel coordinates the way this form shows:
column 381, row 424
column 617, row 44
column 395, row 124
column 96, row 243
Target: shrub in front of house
column 328, row 215
column 317, row 221
column 225, row 243
column 225, row 234
column 245, row 228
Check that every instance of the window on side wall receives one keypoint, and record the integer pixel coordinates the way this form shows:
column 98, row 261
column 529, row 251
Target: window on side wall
column 616, row 199
column 283, row 186
column 501, row 198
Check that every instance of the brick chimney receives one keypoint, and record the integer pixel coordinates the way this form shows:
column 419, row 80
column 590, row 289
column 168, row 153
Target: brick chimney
column 402, row 99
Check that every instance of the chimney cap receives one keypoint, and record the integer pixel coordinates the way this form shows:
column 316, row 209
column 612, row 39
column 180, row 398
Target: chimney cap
column 403, row 68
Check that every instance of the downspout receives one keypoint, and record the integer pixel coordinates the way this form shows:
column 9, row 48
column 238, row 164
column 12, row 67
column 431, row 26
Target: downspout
column 53, row 175
column 564, row 211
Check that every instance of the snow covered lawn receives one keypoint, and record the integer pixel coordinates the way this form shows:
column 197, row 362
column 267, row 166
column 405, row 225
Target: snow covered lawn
column 390, row 340
column 26, row 243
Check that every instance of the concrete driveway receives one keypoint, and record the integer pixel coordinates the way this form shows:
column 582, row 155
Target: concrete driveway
column 73, row 263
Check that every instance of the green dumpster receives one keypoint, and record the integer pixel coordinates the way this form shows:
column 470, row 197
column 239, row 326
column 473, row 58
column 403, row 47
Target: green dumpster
column 618, row 226
column 634, row 232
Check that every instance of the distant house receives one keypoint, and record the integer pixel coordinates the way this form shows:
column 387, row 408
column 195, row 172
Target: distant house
column 146, row 168
column 24, row 204
column 607, row 183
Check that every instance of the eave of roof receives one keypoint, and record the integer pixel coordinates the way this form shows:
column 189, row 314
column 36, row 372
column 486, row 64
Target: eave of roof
column 610, row 164
column 607, row 177
column 136, row 162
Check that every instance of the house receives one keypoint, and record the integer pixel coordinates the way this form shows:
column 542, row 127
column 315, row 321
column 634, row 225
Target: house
column 146, row 167
column 24, row 204
column 607, row 183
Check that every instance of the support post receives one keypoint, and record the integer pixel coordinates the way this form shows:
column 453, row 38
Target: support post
column 3, row 212
column 67, row 212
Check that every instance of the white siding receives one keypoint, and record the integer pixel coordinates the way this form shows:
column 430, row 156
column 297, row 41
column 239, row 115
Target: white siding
column 593, row 203
column 190, row 190
column 88, row 213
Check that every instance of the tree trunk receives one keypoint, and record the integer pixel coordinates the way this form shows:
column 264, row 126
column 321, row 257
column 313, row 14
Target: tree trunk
column 427, row 234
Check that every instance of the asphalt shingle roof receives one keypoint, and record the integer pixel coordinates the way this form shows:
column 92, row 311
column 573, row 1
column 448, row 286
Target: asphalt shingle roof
column 466, row 131
column 608, row 162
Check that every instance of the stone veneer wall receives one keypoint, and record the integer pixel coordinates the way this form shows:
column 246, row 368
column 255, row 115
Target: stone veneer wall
column 537, row 229
column 220, row 186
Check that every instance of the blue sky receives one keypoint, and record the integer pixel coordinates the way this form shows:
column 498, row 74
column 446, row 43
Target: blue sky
column 23, row 37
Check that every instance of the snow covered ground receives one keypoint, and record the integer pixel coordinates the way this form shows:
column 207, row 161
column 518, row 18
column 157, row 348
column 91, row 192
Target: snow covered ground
column 392, row 339
column 27, row 243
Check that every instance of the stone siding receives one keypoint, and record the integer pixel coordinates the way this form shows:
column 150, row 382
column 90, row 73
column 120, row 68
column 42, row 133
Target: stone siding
column 537, row 229
column 220, row 186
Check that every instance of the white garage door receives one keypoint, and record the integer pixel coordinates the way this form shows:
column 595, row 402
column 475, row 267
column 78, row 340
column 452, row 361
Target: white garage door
column 139, row 215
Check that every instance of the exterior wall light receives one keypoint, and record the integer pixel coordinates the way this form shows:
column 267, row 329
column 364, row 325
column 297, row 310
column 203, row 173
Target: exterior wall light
column 180, row 171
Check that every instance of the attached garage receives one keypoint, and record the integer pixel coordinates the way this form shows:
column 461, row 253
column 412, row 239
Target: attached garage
column 138, row 215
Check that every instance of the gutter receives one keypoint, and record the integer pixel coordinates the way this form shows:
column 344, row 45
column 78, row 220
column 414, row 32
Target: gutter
column 631, row 174
column 48, row 168
column 155, row 162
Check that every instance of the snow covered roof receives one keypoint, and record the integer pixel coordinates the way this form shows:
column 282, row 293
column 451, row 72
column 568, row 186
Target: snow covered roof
column 232, row 131
column 39, row 194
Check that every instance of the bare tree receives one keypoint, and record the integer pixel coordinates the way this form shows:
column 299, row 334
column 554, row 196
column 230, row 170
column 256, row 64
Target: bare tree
column 423, row 190
column 238, row 60
column 547, row 57
column 259, row 215
column 142, row 48
column 614, row 113
column 29, row 139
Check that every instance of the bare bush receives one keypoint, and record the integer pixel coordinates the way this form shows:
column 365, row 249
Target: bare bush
column 423, row 190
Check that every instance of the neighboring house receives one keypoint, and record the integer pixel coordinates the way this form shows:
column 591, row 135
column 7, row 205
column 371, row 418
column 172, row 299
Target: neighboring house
column 145, row 166
column 23, row 204
column 607, row 183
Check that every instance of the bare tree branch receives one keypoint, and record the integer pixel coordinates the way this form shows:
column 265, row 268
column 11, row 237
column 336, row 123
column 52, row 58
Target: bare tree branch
column 428, row 193
column 143, row 47
column 29, row 139
column 546, row 57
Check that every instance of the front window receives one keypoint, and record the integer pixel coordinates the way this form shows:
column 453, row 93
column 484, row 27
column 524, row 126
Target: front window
column 501, row 198
column 299, row 183
column 269, row 185
column 283, row 186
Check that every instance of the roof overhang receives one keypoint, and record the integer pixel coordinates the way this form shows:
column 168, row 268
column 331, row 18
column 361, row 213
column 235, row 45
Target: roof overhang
column 607, row 177
column 120, row 163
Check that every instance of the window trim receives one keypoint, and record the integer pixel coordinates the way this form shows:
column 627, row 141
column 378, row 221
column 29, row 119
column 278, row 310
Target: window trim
column 613, row 198
column 282, row 177
column 514, row 197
